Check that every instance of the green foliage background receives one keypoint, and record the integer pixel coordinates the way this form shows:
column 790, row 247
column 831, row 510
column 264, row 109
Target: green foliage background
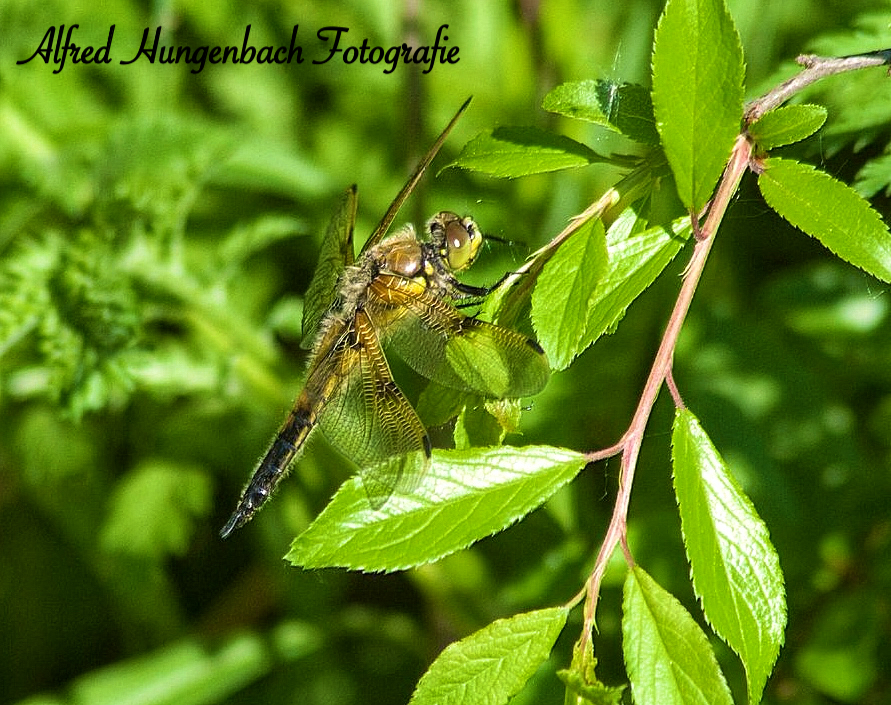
column 157, row 230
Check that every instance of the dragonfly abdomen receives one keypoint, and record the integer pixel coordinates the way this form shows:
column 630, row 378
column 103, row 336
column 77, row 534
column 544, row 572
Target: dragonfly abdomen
column 272, row 468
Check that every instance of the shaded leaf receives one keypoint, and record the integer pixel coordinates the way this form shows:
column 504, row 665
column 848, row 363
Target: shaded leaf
column 842, row 657
column 624, row 107
column 262, row 165
column 874, row 177
column 186, row 673
column 476, row 426
column 244, row 241
column 153, row 509
column 438, row 404
column 582, row 684
column 23, row 294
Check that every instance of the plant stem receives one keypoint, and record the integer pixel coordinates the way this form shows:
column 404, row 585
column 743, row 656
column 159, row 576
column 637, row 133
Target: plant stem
column 630, row 443
column 815, row 68
column 741, row 159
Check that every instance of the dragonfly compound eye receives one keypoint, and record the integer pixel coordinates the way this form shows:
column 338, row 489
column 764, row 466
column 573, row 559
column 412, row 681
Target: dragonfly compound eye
column 462, row 242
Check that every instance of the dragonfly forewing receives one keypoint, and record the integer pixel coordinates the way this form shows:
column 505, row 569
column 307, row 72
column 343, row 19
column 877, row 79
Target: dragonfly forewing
column 335, row 255
column 381, row 230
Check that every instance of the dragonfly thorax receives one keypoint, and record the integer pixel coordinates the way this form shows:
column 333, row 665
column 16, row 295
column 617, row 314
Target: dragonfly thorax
column 452, row 245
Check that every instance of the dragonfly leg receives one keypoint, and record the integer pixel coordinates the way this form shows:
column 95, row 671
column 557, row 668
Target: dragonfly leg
column 478, row 291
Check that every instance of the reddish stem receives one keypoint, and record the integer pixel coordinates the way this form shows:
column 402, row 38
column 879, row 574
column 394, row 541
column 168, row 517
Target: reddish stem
column 629, row 445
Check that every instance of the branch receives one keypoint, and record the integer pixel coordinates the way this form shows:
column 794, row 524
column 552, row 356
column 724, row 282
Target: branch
column 629, row 445
column 816, row 67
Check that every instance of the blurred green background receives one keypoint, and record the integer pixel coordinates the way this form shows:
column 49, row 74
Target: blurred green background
column 157, row 230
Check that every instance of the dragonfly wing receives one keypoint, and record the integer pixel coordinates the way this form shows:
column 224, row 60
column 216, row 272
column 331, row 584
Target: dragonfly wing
column 370, row 420
column 328, row 375
column 335, row 254
column 387, row 220
column 444, row 345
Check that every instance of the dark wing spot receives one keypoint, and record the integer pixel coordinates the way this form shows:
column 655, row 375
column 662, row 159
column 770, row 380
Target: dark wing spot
column 535, row 346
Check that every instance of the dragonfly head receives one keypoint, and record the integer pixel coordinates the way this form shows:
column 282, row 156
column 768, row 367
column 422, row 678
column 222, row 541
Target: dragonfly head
column 456, row 239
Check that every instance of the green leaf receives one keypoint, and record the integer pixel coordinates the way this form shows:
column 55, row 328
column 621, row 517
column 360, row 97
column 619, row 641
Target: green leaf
column 842, row 657
column 464, row 496
column 826, row 300
column 181, row 673
column 24, row 298
column 565, row 292
column 170, row 371
column 874, row 177
column 186, row 673
column 520, row 151
column 492, row 665
column 830, row 211
column 582, row 684
column 625, row 107
column 438, row 404
column 259, row 164
column 667, row 655
column 476, row 426
column 636, row 258
column 736, row 570
column 154, row 166
column 153, row 508
column 697, row 93
column 787, row 125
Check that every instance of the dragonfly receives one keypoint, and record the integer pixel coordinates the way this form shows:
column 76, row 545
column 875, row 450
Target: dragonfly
column 399, row 294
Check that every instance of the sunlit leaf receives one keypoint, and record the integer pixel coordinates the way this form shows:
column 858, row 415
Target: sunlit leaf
column 830, row 211
column 736, row 570
column 520, row 151
column 636, row 258
column 697, row 93
column 667, row 655
column 492, row 665
column 566, row 290
column 465, row 496
column 787, row 125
